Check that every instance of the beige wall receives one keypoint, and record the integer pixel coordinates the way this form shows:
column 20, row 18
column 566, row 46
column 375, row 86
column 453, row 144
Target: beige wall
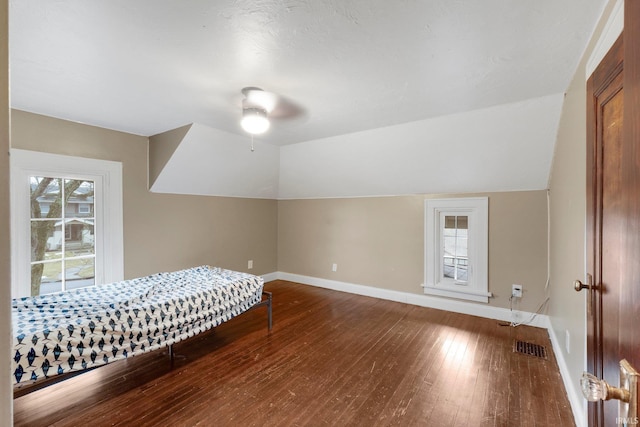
column 162, row 232
column 380, row 242
column 6, row 396
column 567, row 243
column 568, row 205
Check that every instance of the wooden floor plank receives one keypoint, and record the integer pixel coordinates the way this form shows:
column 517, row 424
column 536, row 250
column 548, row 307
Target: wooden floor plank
column 332, row 359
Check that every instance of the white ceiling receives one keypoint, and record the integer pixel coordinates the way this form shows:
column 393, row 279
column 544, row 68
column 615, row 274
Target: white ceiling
column 148, row 66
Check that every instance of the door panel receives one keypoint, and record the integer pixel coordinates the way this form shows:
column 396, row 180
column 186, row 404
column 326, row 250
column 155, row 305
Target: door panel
column 606, row 232
column 613, row 214
column 630, row 298
column 612, row 231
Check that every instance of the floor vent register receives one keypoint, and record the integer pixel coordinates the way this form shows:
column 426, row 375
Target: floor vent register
column 535, row 350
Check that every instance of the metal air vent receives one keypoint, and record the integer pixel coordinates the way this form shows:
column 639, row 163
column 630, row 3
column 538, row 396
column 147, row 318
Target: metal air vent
column 535, row 350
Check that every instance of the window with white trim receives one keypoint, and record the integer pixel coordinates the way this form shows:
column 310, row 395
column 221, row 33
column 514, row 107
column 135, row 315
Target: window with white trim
column 66, row 222
column 57, row 263
column 456, row 248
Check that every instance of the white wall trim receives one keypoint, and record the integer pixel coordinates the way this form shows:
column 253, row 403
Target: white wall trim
column 269, row 277
column 612, row 29
column 578, row 403
column 481, row 310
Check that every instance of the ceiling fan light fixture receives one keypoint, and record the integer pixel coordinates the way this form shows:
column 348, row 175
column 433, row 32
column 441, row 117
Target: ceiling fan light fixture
column 254, row 120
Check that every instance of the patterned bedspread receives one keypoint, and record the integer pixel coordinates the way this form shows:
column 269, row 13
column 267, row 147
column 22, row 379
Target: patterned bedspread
column 70, row 331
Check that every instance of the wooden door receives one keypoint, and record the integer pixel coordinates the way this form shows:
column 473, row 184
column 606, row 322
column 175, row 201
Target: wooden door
column 613, row 214
column 605, row 224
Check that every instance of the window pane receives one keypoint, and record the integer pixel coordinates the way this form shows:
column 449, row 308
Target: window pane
column 449, row 222
column 79, row 195
column 462, row 223
column 448, row 269
column 455, row 255
column 461, row 247
column 79, row 273
column 46, row 240
column 45, row 278
column 450, row 246
column 79, row 237
column 461, row 272
column 45, row 197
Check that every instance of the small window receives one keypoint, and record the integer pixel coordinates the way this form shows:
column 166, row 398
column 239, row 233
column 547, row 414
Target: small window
column 84, row 209
column 456, row 248
column 455, row 255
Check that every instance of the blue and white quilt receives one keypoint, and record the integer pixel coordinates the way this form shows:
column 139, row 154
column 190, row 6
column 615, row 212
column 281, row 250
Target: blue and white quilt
column 74, row 330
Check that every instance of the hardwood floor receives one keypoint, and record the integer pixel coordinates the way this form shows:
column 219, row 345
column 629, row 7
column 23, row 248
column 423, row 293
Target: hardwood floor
column 332, row 359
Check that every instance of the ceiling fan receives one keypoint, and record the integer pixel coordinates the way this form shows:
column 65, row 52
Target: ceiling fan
column 259, row 106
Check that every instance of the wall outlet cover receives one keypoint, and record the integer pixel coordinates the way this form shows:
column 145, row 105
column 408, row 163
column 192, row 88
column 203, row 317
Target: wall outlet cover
column 516, row 291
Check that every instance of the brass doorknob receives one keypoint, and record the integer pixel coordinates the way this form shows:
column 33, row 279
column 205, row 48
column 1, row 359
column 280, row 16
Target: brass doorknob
column 578, row 286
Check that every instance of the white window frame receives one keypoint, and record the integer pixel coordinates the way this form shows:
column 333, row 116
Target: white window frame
column 477, row 286
column 107, row 178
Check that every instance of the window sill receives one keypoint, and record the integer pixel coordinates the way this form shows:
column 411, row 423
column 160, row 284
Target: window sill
column 459, row 294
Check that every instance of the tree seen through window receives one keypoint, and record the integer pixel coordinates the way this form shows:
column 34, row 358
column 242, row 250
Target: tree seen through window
column 62, row 234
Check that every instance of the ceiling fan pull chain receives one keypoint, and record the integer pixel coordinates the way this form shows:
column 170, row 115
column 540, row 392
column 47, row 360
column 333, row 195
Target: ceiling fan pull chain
column 252, row 143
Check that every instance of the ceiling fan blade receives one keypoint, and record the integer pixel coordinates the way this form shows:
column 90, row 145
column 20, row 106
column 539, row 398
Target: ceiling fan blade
column 276, row 106
column 256, row 97
column 287, row 109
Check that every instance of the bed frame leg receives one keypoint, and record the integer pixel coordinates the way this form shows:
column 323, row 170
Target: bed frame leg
column 269, row 310
column 171, row 356
column 270, row 315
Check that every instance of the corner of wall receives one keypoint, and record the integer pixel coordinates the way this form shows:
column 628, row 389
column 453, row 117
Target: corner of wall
column 160, row 148
column 6, row 393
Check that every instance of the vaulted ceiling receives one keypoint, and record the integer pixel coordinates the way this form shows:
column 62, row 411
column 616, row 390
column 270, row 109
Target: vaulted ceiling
column 355, row 67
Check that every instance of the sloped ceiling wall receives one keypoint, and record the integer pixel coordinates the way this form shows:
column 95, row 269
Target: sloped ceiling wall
column 212, row 162
column 503, row 148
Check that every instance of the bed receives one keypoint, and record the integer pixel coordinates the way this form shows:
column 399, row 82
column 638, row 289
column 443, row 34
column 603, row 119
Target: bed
column 59, row 333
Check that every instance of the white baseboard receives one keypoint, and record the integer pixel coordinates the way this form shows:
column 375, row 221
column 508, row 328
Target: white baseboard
column 456, row 306
column 270, row 277
column 578, row 403
column 487, row 311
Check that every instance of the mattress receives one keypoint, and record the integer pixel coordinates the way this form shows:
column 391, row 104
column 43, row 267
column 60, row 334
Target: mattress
column 69, row 331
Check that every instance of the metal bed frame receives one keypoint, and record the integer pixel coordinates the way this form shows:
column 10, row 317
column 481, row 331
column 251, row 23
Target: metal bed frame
column 265, row 302
column 26, row 389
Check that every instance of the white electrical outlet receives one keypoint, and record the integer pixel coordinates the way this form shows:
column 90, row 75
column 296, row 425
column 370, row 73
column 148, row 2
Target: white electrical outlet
column 334, row 267
column 516, row 291
column 250, row 264
column 567, row 340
